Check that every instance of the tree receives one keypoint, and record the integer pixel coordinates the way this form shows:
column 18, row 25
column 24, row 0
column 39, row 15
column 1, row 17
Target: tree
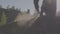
column 17, row 9
column 0, row 6
column 13, row 7
column 28, row 10
column 0, row 12
column 8, row 6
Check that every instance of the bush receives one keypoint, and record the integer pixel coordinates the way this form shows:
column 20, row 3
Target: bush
column 3, row 20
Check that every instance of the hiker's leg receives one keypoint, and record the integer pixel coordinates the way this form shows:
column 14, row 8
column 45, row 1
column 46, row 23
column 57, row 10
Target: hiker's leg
column 36, row 5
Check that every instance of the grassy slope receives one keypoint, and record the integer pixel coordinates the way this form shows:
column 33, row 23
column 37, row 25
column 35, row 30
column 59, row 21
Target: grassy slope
column 3, row 20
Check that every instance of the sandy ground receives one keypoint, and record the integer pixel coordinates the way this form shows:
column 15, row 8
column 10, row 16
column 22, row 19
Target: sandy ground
column 23, row 19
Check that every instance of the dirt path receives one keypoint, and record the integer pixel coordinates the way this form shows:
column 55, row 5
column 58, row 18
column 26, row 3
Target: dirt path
column 24, row 19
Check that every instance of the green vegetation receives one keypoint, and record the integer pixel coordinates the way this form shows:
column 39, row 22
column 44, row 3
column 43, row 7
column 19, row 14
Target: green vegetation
column 3, row 19
column 0, row 6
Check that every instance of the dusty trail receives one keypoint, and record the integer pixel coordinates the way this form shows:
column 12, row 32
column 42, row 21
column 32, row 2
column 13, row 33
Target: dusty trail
column 26, row 19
